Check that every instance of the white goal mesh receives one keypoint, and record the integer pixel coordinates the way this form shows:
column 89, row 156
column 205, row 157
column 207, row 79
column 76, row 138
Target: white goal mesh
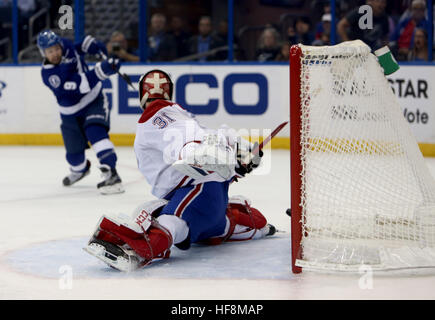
column 367, row 197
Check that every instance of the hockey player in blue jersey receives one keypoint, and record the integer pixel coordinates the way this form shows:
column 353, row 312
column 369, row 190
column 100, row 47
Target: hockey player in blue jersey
column 84, row 112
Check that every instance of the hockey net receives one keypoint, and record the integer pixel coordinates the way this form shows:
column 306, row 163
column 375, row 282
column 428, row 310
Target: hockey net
column 361, row 193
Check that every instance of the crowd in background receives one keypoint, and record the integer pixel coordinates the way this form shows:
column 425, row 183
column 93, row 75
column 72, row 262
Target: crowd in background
column 405, row 32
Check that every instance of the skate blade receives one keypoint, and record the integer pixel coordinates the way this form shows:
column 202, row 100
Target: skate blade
column 118, row 263
column 114, row 189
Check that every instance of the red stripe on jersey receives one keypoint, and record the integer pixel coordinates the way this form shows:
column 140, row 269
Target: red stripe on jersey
column 181, row 182
column 188, row 199
column 153, row 108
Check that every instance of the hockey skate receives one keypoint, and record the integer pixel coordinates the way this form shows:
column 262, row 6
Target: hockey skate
column 121, row 258
column 269, row 230
column 112, row 182
column 74, row 176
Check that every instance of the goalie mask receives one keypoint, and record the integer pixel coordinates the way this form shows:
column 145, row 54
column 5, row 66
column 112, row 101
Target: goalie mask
column 155, row 84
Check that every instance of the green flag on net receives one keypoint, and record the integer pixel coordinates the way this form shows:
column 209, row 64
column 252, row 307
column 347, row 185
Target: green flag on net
column 386, row 60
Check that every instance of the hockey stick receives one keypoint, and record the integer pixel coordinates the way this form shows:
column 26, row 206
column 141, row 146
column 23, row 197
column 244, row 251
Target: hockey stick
column 257, row 150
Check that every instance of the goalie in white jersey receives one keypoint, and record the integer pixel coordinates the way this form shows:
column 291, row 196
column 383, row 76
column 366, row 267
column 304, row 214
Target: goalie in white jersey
column 190, row 169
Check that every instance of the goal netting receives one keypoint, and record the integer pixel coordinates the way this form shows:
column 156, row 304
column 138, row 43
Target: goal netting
column 361, row 193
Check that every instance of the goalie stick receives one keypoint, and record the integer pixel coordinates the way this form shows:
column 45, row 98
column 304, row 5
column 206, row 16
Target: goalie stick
column 270, row 137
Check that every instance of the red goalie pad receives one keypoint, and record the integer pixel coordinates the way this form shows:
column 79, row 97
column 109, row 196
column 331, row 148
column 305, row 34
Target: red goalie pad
column 154, row 243
column 241, row 217
column 246, row 216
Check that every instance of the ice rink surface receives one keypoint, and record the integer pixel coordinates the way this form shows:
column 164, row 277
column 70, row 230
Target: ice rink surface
column 45, row 225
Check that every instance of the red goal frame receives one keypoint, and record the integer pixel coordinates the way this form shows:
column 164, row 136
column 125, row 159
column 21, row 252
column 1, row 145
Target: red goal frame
column 295, row 152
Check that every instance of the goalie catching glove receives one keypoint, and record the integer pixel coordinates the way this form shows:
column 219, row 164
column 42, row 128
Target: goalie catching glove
column 246, row 159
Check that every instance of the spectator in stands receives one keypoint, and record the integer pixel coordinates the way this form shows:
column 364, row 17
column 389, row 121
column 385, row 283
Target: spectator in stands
column 268, row 45
column 205, row 41
column 348, row 27
column 419, row 52
column 162, row 45
column 26, row 8
column 222, row 33
column 403, row 38
column 222, row 30
column 180, row 35
column 284, row 53
column 300, row 32
column 323, row 35
column 118, row 47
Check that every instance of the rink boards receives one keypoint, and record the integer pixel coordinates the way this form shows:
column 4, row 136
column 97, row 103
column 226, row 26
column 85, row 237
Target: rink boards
column 247, row 97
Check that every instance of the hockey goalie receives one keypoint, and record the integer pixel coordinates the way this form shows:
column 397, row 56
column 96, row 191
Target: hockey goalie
column 190, row 169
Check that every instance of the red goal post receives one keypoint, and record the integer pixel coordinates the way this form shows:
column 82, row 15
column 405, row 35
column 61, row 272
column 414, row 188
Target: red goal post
column 295, row 150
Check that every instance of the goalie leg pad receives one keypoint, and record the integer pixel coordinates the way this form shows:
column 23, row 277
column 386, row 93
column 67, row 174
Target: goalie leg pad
column 244, row 214
column 243, row 222
column 121, row 223
column 153, row 242
column 202, row 207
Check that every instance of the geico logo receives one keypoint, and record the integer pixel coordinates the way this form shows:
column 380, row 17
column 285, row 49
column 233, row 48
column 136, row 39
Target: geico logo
column 2, row 86
column 227, row 94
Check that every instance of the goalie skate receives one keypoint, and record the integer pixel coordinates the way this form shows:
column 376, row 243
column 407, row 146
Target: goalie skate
column 117, row 257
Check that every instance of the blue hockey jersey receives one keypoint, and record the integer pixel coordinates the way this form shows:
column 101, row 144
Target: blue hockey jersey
column 73, row 84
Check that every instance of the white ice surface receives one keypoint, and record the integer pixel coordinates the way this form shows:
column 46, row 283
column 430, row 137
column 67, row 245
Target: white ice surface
column 43, row 227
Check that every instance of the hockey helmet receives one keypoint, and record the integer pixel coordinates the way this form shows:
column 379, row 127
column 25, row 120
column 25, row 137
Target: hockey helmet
column 47, row 39
column 155, row 84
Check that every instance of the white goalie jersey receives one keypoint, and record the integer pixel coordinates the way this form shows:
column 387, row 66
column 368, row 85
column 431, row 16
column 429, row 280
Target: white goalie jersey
column 165, row 134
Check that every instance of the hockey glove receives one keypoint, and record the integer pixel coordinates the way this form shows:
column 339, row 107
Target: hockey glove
column 99, row 49
column 246, row 162
column 110, row 66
